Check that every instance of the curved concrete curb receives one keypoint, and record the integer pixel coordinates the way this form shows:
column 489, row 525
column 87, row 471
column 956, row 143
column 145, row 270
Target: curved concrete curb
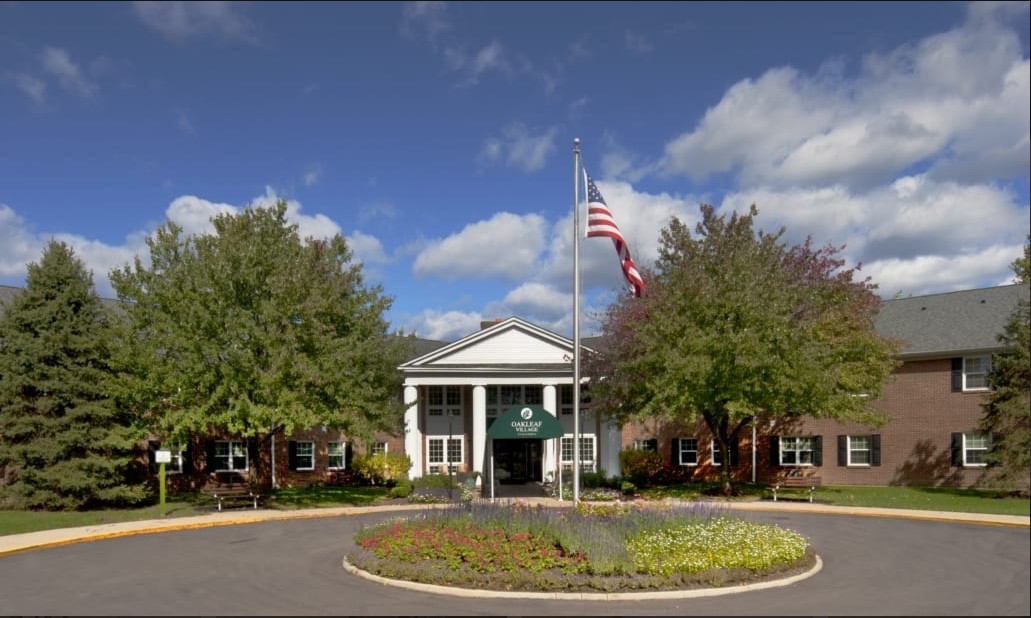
column 583, row 596
column 14, row 543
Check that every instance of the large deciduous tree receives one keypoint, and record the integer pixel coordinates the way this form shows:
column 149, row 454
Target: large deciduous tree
column 64, row 443
column 1007, row 413
column 737, row 323
column 250, row 329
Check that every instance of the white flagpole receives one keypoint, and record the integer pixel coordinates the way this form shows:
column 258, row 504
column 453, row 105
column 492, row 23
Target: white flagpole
column 576, row 321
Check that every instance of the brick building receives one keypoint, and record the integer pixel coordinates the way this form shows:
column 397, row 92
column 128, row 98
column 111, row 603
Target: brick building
column 453, row 392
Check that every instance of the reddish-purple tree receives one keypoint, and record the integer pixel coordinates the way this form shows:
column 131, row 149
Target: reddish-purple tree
column 736, row 323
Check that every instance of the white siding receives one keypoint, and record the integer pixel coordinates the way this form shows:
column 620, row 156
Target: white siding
column 511, row 346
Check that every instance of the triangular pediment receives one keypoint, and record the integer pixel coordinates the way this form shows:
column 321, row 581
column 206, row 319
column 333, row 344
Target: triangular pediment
column 511, row 342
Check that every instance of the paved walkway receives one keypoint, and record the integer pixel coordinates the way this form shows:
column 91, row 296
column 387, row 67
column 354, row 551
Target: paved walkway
column 62, row 536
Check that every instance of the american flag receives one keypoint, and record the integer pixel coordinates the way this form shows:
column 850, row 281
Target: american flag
column 601, row 223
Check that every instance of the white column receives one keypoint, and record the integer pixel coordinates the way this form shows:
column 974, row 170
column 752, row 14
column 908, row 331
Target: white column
column 551, row 445
column 479, row 428
column 413, row 436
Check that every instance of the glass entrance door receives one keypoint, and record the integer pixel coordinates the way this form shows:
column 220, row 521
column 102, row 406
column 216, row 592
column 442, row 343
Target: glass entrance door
column 520, row 459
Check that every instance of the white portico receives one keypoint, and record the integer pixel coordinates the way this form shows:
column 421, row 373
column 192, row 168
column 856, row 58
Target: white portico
column 455, row 392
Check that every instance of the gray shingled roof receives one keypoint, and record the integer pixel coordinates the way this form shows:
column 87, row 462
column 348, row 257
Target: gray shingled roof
column 950, row 323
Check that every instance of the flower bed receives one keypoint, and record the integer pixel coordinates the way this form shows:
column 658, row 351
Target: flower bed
column 608, row 547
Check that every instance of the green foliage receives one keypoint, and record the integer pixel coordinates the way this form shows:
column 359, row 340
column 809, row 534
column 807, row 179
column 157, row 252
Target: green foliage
column 402, row 488
column 721, row 543
column 641, row 466
column 382, row 468
column 1007, row 413
column 604, row 546
column 591, row 480
column 628, row 488
column 735, row 323
column 1022, row 265
column 250, row 327
column 66, row 444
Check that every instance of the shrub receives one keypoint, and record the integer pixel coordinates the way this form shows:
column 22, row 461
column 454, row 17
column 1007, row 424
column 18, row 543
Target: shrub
column 401, row 489
column 382, row 468
column 594, row 479
column 642, row 467
column 628, row 488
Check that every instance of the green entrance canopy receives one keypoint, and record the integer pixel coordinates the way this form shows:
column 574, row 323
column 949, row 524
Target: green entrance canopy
column 525, row 422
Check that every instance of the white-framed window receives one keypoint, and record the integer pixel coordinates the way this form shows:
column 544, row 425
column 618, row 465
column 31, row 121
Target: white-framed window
column 379, row 448
column 444, row 400
column 504, row 396
column 687, row 451
column 441, row 450
column 565, row 399
column 717, row 456
column 230, row 455
column 336, row 451
column 303, row 455
column 175, row 466
column 646, row 444
column 172, row 467
column 975, row 372
column 975, row 447
column 797, row 450
column 587, row 452
column 858, row 451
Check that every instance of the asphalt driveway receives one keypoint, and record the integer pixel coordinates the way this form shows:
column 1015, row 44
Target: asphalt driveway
column 872, row 566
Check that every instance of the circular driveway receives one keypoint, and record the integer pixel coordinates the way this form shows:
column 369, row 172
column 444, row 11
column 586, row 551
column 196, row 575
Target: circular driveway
column 871, row 565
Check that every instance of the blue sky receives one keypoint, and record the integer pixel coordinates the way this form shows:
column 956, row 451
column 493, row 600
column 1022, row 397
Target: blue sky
column 437, row 138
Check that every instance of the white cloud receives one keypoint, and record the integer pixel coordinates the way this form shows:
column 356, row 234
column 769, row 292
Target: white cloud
column 316, row 226
column 470, row 60
column 506, row 245
column 21, row 245
column 942, row 273
column 473, row 66
column 446, row 326
column 183, row 121
column 58, row 63
column 312, row 176
column 520, row 148
column 194, row 214
column 913, row 217
column 180, row 21
column 638, row 43
column 425, row 19
column 366, row 248
column 34, row 88
column 947, row 100
column 376, row 211
column 541, row 303
column 18, row 245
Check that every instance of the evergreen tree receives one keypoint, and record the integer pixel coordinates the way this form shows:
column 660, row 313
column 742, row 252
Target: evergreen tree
column 64, row 444
column 1008, row 409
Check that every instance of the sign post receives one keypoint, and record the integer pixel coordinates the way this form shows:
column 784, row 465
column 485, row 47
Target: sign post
column 162, row 457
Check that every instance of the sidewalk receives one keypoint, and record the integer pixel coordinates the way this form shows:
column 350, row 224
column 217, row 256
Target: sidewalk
column 61, row 536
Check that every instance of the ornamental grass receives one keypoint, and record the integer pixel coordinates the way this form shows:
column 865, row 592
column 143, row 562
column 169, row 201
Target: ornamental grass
column 612, row 546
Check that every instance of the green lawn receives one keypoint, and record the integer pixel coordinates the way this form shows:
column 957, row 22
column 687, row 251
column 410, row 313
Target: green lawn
column 925, row 498
column 185, row 505
column 962, row 500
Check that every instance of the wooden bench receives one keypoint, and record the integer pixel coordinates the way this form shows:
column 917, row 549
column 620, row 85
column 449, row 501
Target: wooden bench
column 802, row 483
column 230, row 487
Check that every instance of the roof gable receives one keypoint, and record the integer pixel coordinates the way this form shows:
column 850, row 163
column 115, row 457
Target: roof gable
column 512, row 342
